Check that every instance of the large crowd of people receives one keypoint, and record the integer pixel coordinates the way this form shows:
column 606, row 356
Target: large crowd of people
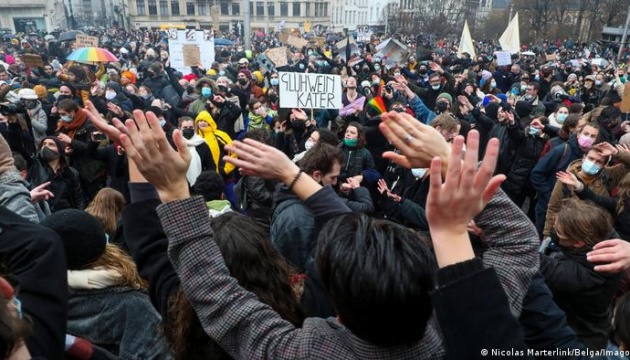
column 453, row 208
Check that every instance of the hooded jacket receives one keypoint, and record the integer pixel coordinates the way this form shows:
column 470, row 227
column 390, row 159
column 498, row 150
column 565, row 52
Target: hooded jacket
column 216, row 140
column 199, row 104
column 121, row 99
column 39, row 122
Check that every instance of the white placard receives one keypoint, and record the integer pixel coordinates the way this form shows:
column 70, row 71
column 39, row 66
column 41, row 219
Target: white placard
column 204, row 39
column 310, row 91
column 503, row 58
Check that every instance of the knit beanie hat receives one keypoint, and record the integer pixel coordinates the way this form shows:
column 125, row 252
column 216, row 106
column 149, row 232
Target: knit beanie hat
column 60, row 145
column 82, row 234
column 247, row 73
column 523, row 108
column 446, row 96
column 40, row 91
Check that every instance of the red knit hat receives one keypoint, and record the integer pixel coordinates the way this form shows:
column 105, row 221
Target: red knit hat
column 246, row 72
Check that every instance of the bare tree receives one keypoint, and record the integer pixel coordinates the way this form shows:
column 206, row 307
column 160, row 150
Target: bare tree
column 441, row 17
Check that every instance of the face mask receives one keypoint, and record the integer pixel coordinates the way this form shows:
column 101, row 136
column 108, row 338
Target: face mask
column 376, row 82
column 298, row 126
column 493, row 84
column 422, row 72
column 588, row 86
column 529, row 96
column 561, row 118
column 63, row 97
column 274, row 82
column 533, row 131
column 145, row 96
column 351, row 142
column 442, row 106
column 242, row 81
column 308, row 145
column 110, row 95
column 537, row 77
column 273, row 98
column 585, row 141
column 47, row 154
column 623, row 79
column 30, row 104
column 435, row 87
column 188, row 133
column 590, row 168
column 301, row 66
column 419, row 172
column 396, row 74
column 523, row 88
column 259, row 111
column 377, row 67
column 66, row 118
column 222, row 88
column 366, row 70
column 598, row 82
column 221, row 72
column 206, row 92
column 162, row 122
column 515, row 92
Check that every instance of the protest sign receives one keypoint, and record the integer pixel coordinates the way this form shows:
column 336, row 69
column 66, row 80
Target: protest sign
column 551, row 57
column 341, row 47
column 318, row 41
column 310, row 91
column 86, row 41
column 278, row 56
column 625, row 104
column 181, row 56
column 32, row 60
column 504, row 58
column 192, row 55
column 394, row 52
column 297, row 42
column 283, row 37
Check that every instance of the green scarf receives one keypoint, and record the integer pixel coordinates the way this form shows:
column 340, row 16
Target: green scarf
column 257, row 122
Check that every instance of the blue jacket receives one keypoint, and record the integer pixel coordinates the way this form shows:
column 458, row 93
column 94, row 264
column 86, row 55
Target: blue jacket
column 544, row 173
column 422, row 112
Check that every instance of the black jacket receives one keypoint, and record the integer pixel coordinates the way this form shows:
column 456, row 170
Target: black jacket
column 227, row 117
column 156, row 84
column 259, row 198
column 584, row 294
column 528, row 149
column 35, row 257
column 65, row 184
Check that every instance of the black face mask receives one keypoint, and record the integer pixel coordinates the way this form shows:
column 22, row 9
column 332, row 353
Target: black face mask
column 441, row 107
column 63, row 97
column 188, row 133
column 47, row 154
column 273, row 98
column 422, row 72
column 242, row 81
column 298, row 126
column 222, row 88
column 30, row 104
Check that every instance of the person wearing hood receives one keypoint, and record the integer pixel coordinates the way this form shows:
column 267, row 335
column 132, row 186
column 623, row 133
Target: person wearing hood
column 200, row 159
column 156, row 80
column 205, row 87
column 216, row 139
column 39, row 119
column 65, row 183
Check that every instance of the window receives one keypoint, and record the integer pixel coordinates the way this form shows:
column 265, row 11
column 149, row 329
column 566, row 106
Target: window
column 296, row 9
column 225, row 8
column 271, row 9
column 284, row 8
column 260, row 8
column 152, row 7
column 140, row 7
column 325, row 9
column 190, row 8
column 174, row 7
column 236, row 9
column 308, row 9
column 163, row 7
column 202, row 7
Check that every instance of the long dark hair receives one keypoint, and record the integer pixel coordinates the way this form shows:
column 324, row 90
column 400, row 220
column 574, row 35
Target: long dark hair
column 256, row 265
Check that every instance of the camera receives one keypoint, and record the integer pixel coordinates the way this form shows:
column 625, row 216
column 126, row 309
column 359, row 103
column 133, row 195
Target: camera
column 389, row 88
column 98, row 136
column 10, row 109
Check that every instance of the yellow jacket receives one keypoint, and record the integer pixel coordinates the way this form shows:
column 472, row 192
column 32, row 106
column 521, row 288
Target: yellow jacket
column 216, row 140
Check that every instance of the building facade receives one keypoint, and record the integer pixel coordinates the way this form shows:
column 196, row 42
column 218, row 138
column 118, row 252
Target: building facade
column 32, row 15
column 265, row 15
column 97, row 13
column 348, row 14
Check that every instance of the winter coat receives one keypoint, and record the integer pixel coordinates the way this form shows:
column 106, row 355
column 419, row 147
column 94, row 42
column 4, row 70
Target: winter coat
column 65, row 184
column 156, row 83
column 39, row 122
column 216, row 140
column 358, row 161
column 527, row 152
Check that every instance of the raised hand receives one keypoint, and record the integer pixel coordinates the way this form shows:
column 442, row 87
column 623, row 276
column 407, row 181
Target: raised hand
column 112, row 132
column 465, row 192
column 382, row 186
column 257, row 159
column 146, row 145
column 615, row 253
column 606, row 149
column 418, row 143
column 40, row 193
column 568, row 178
column 64, row 138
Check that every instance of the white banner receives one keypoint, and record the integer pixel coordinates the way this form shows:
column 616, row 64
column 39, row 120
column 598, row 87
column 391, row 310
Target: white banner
column 203, row 39
column 310, row 91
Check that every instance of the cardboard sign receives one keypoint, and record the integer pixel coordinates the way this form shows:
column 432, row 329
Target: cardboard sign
column 318, row 41
column 284, row 38
column 86, row 41
column 394, row 52
column 625, row 104
column 552, row 57
column 341, row 47
column 32, row 60
column 310, row 91
column 192, row 55
column 297, row 42
column 278, row 56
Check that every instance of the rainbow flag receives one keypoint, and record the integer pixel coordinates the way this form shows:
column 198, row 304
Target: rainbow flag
column 376, row 106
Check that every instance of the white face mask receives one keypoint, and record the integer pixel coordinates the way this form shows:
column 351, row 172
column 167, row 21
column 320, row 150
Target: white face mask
column 419, row 172
column 308, row 145
column 110, row 95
